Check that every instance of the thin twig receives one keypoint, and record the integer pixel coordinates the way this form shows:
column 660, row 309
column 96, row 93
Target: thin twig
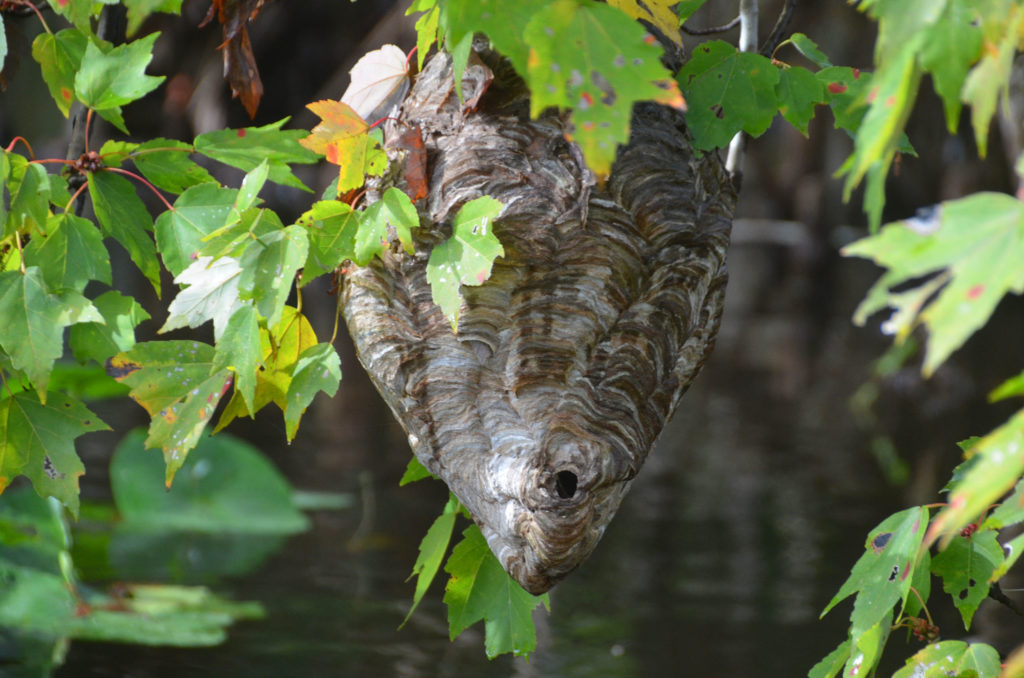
column 713, row 29
column 748, row 43
column 781, row 24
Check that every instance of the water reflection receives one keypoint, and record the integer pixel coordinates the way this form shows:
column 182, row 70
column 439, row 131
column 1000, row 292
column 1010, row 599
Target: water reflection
column 743, row 524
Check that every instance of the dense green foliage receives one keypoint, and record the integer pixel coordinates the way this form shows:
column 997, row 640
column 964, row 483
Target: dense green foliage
column 237, row 264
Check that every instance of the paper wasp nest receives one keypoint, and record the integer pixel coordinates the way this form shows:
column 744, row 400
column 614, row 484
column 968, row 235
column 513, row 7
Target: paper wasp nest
column 569, row 360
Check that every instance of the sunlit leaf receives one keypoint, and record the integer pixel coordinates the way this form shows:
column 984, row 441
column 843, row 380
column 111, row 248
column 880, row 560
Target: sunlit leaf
column 212, row 293
column 414, row 471
column 331, row 226
column 395, row 210
column 882, row 575
column 658, row 13
column 379, row 82
column 479, row 589
column 317, row 369
column 1009, row 512
column 997, row 461
column 268, row 268
column 343, row 138
column 99, row 341
column 952, row 658
column 867, row 645
column 198, row 212
column 583, row 56
column 965, row 566
column 466, row 257
column 832, row 664
column 432, row 549
column 1012, row 387
column 176, row 383
column 37, row 440
column 978, row 241
column 952, row 46
column 291, row 336
column 247, row 147
column 238, row 350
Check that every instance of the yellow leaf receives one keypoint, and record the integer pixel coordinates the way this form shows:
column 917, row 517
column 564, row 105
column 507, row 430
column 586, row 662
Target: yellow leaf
column 343, row 138
column 657, row 12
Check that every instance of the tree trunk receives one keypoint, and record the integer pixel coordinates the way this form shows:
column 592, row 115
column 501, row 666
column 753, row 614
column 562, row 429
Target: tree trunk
column 568, row 362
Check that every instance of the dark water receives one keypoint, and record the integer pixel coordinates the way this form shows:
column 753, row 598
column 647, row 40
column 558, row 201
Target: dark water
column 743, row 524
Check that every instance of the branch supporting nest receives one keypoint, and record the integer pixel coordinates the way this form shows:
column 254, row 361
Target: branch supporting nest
column 748, row 43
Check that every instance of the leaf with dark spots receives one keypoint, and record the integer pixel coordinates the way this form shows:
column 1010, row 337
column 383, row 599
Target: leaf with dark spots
column 119, row 367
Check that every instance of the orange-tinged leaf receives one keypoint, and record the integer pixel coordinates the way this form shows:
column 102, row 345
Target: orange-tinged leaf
column 343, row 138
column 658, row 12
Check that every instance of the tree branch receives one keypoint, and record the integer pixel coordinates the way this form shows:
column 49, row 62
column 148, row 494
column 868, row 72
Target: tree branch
column 748, row 43
column 781, row 24
column 112, row 26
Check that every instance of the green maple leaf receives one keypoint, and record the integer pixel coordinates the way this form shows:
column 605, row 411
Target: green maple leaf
column 197, row 213
column 966, row 565
column 246, row 148
column 30, row 197
column 99, row 341
column 954, row 42
column 994, row 465
column 70, row 254
column 952, row 658
column 59, row 56
column 107, row 80
column 974, row 244
column 318, row 368
column 728, row 91
column 238, row 350
column 178, row 384
column 585, row 57
column 394, row 209
column 210, row 291
column 292, row 335
column 432, row 549
column 465, row 258
column 798, row 92
column 138, row 10
column 331, row 226
column 123, row 216
column 269, row 265
column 34, row 322
column 882, row 576
column 37, row 440
column 165, row 163
column 480, row 589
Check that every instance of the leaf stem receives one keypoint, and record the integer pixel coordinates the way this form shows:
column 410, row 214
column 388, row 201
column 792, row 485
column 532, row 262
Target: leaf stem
column 923, row 606
column 142, row 180
column 88, row 122
column 23, row 140
column 39, row 14
column 21, row 253
column 67, row 208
